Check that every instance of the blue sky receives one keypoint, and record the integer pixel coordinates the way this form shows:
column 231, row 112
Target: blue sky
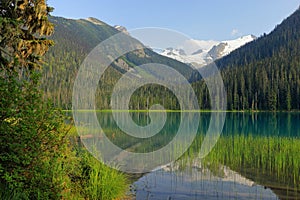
column 210, row 19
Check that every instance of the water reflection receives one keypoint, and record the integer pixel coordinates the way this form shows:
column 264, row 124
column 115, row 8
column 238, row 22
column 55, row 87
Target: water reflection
column 197, row 182
column 194, row 181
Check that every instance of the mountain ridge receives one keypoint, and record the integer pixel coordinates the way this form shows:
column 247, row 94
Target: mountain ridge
column 265, row 73
column 261, row 75
column 208, row 51
column 74, row 40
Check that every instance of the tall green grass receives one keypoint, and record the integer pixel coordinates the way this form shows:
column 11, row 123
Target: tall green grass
column 8, row 194
column 102, row 182
column 278, row 157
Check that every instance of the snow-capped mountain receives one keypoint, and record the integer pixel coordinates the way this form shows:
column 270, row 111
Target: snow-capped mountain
column 121, row 29
column 206, row 52
column 195, row 52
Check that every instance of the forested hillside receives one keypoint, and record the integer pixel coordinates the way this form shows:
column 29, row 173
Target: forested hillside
column 262, row 75
column 265, row 74
column 74, row 39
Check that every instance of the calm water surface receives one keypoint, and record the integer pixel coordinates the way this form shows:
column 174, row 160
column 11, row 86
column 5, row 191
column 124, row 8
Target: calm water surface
column 193, row 180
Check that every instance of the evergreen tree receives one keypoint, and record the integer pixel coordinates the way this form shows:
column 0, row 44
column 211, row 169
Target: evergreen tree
column 32, row 135
column 24, row 26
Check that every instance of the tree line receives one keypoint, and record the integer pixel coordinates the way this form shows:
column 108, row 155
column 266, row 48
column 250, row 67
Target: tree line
column 262, row 75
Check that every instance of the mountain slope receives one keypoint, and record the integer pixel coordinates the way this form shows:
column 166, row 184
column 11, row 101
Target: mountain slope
column 226, row 47
column 261, row 75
column 285, row 37
column 74, row 39
column 207, row 52
column 265, row 74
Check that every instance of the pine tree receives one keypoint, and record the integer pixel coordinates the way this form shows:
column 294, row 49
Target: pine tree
column 32, row 133
column 24, row 27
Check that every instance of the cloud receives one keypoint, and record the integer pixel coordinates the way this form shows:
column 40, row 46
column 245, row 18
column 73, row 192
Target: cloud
column 235, row 32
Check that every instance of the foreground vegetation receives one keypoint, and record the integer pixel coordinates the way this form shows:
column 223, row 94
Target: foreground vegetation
column 75, row 175
column 38, row 159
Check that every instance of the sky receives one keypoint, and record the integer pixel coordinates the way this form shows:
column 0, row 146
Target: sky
column 198, row 19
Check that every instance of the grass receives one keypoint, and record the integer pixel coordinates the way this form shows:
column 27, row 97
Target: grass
column 7, row 194
column 80, row 175
column 102, row 182
column 277, row 157
column 96, row 180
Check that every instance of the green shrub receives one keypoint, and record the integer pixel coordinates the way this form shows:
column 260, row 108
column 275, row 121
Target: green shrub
column 32, row 137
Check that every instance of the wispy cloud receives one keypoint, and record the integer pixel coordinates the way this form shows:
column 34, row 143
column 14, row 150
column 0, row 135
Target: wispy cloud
column 235, row 32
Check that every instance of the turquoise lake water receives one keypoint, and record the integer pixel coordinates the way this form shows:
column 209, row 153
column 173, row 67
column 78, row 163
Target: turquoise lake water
column 196, row 181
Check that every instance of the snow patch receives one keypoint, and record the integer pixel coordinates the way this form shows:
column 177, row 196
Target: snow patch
column 201, row 52
column 94, row 21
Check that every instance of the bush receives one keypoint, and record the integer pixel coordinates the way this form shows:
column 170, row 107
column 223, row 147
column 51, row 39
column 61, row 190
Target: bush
column 37, row 159
column 32, row 138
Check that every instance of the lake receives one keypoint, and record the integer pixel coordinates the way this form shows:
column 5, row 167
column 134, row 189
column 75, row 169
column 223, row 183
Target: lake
column 256, row 157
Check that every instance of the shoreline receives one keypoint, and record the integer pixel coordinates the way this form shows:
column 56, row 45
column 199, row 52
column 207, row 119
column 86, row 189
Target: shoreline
column 185, row 111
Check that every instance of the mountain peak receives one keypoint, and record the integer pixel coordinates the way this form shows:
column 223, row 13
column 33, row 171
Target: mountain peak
column 95, row 21
column 121, row 29
column 251, row 37
column 208, row 50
